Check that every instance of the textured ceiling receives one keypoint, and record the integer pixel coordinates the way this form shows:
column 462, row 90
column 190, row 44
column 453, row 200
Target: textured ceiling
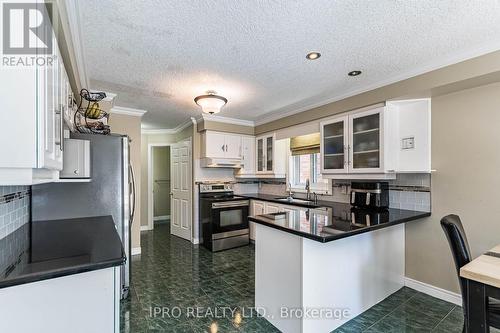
column 158, row 55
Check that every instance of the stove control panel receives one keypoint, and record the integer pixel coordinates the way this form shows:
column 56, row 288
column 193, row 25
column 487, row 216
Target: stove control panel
column 219, row 187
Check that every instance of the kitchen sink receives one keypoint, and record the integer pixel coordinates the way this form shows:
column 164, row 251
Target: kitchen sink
column 296, row 201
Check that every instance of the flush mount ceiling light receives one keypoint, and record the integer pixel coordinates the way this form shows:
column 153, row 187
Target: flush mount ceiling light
column 313, row 55
column 210, row 103
column 354, row 73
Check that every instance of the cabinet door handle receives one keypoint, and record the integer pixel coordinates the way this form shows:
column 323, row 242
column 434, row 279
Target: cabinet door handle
column 222, row 147
column 61, row 146
column 226, row 148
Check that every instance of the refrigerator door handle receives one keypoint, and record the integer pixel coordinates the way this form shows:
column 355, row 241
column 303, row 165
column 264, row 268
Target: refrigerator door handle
column 132, row 196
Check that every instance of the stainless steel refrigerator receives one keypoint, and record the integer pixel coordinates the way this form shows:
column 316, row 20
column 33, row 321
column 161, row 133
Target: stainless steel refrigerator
column 110, row 192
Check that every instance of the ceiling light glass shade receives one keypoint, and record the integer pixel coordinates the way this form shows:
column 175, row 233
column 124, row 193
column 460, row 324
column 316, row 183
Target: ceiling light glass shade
column 210, row 103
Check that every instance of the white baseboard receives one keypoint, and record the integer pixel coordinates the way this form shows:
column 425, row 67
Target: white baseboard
column 195, row 241
column 145, row 228
column 136, row 251
column 431, row 290
column 163, row 217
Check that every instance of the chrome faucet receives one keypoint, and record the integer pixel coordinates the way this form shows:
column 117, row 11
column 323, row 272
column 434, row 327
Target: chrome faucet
column 290, row 193
column 308, row 190
column 315, row 198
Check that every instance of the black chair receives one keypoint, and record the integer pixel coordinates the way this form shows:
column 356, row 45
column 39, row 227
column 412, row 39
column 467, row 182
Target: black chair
column 460, row 250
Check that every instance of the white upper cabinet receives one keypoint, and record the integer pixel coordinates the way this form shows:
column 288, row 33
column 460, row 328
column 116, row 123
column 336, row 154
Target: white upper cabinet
column 377, row 143
column 271, row 156
column 247, row 156
column 220, row 145
column 32, row 102
column 233, row 146
column 213, row 144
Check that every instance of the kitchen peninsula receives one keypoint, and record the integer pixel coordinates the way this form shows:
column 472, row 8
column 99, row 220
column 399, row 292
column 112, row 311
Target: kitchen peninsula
column 324, row 264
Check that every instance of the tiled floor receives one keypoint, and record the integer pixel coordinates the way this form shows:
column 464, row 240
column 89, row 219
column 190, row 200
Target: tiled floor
column 172, row 275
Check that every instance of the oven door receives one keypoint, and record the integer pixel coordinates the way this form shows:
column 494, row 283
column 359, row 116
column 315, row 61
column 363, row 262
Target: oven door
column 229, row 216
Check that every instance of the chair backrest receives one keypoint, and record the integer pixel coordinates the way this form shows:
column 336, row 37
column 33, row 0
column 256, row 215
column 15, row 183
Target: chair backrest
column 460, row 250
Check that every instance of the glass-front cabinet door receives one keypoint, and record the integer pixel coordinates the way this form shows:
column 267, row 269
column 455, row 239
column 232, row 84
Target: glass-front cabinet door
column 365, row 148
column 334, row 157
column 260, row 154
column 269, row 153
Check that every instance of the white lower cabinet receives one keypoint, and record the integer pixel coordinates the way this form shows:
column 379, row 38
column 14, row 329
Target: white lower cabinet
column 58, row 305
column 263, row 207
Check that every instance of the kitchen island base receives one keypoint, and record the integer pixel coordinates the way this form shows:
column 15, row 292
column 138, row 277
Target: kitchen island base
column 302, row 285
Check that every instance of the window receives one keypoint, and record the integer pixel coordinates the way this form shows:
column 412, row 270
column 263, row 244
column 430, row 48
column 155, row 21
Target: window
column 304, row 167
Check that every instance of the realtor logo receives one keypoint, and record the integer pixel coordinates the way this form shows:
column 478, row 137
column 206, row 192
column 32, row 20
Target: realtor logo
column 27, row 28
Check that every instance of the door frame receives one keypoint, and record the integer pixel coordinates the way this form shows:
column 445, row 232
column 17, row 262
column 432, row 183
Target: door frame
column 150, row 182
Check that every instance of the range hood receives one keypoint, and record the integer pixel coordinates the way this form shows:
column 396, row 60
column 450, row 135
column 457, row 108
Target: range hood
column 233, row 163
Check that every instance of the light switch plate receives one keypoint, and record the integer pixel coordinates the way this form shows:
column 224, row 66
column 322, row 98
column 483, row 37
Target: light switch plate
column 408, row 143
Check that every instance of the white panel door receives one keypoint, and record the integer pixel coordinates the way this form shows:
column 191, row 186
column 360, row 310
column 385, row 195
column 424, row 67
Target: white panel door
column 181, row 179
column 233, row 146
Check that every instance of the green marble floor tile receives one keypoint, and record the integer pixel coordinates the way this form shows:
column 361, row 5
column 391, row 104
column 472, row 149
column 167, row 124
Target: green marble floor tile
column 171, row 272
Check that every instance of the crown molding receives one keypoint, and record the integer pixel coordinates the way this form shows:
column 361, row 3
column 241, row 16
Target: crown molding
column 175, row 130
column 73, row 20
column 429, row 67
column 127, row 111
column 226, row 120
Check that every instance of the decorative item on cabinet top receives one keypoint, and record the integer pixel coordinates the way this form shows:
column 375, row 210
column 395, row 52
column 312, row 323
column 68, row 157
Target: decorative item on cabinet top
column 89, row 117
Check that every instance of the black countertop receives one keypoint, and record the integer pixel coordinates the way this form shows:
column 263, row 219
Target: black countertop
column 43, row 250
column 336, row 220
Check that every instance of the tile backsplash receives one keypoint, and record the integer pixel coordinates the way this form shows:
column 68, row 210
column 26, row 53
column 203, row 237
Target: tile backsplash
column 407, row 191
column 15, row 204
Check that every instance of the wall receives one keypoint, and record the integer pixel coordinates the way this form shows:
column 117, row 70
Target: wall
column 15, row 205
column 131, row 125
column 465, row 141
column 161, row 181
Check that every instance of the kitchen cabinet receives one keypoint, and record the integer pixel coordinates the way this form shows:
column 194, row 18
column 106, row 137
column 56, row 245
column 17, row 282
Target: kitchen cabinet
column 377, row 143
column 220, row 145
column 38, row 97
column 272, row 208
column 247, row 157
column 256, row 208
column 263, row 207
column 271, row 156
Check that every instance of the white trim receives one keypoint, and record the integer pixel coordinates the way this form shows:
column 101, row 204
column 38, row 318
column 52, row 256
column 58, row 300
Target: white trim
column 162, row 217
column 136, row 251
column 127, row 111
column 110, row 98
column 440, row 63
column 145, row 228
column 226, row 120
column 433, row 291
column 150, row 181
column 75, row 38
column 195, row 241
column 168, row 130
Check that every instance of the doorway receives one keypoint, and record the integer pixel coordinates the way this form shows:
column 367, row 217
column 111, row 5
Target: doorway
column 161, row 183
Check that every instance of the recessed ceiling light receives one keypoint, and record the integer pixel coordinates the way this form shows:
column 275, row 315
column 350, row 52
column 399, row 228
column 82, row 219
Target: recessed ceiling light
column 313, row 55
column 354, row 73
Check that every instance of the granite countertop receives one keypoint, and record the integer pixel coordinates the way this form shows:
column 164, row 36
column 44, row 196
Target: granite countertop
column 337, row 221
column 43, row 250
